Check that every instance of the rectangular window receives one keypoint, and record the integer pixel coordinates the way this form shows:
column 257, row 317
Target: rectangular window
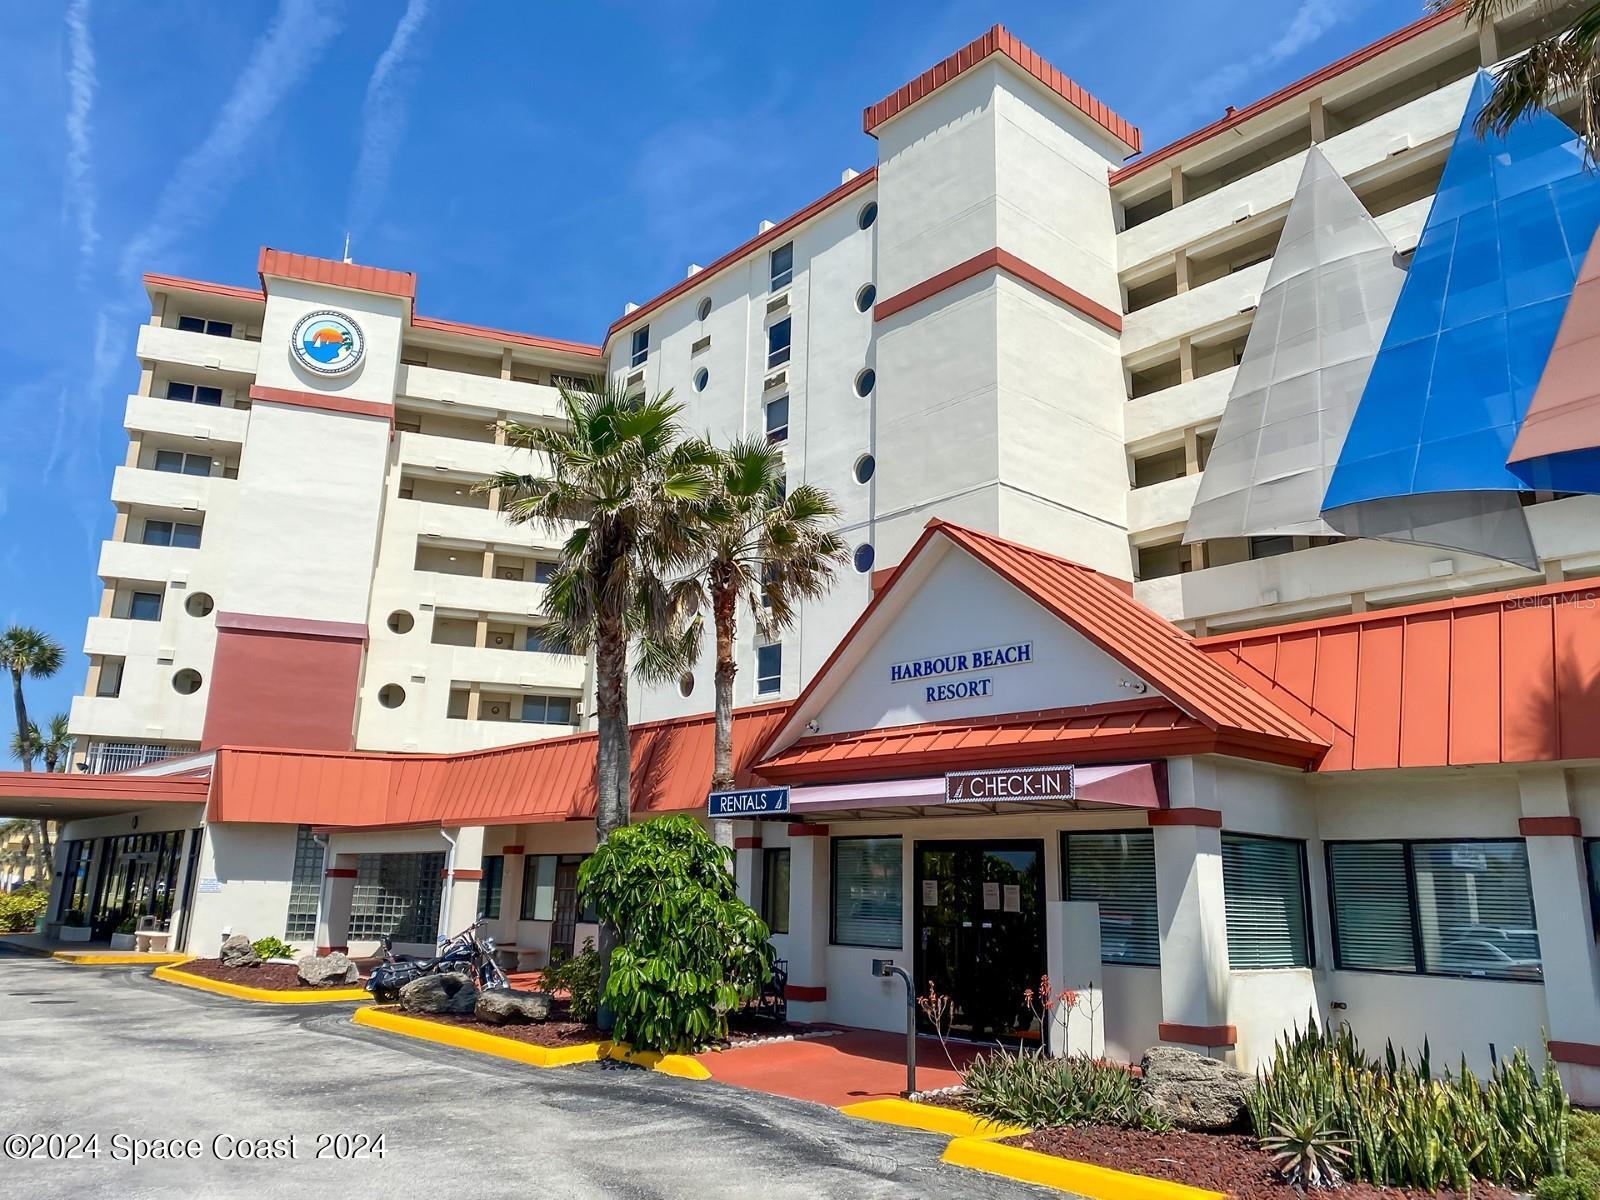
column 641, row 346
column 1118, row 871
column 202, row 325
column 778, row 343
column 305, row 887
column 1433, row 907
column 778, row 420
column 194, row 393
column 769, row 668
column 544, row 641
column 573, row 383
column 1264, row 893
column 547, row 710
column 867, row 901
column 1593, row 848
column 494, row 874
column 775, row 889
column 539, row 887
column 110, row 683
column 543, row 570
column 782, row 263
column 1269, row 547
column 144, row 606
column 176, row 462
column 398, row 895
column 157, row 533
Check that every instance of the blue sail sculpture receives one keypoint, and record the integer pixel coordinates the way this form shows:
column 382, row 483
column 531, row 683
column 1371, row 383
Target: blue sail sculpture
column 1425, row 458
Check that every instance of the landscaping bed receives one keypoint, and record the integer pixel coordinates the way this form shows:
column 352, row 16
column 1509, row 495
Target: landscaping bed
column 561, row 1030
column 1228, row 1163
column 271, row 976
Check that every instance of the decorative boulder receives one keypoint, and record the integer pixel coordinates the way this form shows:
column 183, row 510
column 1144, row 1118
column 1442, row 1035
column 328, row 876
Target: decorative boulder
column 327, row 970
column 444, row 992
column 1192, row 1091
column 237, row 952
column 502, row 1006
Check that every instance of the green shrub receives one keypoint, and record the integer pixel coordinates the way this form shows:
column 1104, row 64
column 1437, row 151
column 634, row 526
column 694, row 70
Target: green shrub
column 271, row 947
column 1029, row 1087
column 1583, row 1151
column 1403, row 1126
column 688, row 949
column 1562, row 1187
column 578, row 975
column 128, row 924
column 21, row 908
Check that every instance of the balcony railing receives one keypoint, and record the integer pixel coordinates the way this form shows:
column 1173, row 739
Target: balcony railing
column 102, row 758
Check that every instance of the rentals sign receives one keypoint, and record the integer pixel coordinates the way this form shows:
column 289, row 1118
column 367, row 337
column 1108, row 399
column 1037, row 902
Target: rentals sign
column 752, row 802
column 1009, row 784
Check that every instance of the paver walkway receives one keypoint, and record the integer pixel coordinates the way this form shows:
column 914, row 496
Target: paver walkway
column 846, row 1068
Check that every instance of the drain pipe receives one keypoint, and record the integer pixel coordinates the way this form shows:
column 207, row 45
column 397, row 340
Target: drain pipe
column 449, row 885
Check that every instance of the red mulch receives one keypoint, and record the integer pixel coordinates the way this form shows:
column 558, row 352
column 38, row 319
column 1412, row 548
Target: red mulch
column 276, row 977
column 1218, row 1162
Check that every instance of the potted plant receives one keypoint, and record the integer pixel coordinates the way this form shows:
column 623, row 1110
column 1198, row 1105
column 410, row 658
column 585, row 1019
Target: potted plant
column 76, row 927
column 123, row 939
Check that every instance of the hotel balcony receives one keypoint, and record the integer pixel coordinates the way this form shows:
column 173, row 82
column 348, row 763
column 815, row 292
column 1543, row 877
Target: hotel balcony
column 199, row 422
column 518, row 669
column 485, row 393
column 455, row 455
column 122, row 638
column 134, row 560
column 165, row 489
column 470, row 593
column 232, row 356
column 1179, row 407
column 1161, row 506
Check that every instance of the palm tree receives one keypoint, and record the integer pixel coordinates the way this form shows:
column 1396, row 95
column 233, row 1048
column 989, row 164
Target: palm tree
column 27, row 651
column 770, row 549
column 629, row 486
column 57, row 745
column 1557, row 67
column 25, row 746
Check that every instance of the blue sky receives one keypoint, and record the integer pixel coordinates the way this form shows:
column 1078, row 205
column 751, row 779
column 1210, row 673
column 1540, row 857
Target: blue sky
column 536, row 164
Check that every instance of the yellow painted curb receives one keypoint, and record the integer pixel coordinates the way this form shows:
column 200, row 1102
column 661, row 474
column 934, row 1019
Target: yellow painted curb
column 238, row 991
column 930, row 1118
column 1065, row 1174
column 679, row 1065
column 116, row 958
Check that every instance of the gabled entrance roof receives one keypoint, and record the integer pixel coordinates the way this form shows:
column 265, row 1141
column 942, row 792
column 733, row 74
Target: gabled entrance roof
column 1199, row 701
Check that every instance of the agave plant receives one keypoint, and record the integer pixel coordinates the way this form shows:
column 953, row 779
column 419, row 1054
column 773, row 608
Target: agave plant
column 1307, row 1151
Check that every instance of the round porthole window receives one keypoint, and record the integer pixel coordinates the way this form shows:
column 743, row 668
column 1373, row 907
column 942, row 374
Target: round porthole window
column 199, row 605
column 866, row 298
column 400, row 621
column 865, row 382
column 391, row 695
column 868, row 214
column 704, row 309
column 865, row 466
column 864, row 557
column 701, row 378
column 686, row 684
column 186, row 682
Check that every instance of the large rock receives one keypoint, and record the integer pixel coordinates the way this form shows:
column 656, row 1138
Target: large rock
column 327, row 970
column 1193, row 1091
column 444, row 992
column 502, row 1006
column 237, row 952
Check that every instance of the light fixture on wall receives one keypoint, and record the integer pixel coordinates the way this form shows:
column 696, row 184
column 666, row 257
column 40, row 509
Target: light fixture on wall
column 1134, row 685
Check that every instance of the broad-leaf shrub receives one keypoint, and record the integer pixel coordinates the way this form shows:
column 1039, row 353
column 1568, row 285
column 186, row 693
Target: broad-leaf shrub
column 1405, row 1127
column 1033, row 1088
column 578, row 975
column 688, row 951
column 21, row 908
column 272, row 947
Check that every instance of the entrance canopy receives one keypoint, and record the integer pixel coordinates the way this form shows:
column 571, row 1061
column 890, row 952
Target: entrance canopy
column 45, row 796
column 1125, row 785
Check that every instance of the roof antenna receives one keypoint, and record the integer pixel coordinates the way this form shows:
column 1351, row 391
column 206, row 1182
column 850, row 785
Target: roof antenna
column 347, row 247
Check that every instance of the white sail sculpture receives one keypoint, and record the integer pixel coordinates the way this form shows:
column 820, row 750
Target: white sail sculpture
column 1328, row 296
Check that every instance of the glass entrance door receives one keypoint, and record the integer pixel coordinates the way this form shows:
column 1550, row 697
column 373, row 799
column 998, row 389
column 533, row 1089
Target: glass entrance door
column 980, row 931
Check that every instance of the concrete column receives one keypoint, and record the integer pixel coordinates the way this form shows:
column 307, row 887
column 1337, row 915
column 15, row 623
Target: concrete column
column 746, row 843
column 1185, row 360
column 1072, row 957
column 1566, row 928
column 1488, row 44
column 1194, row 921
column 1177, row 186
column 1319, row 120
column 338, row 895
column 135, row 444
column 808, row 922
column 459, row 905
column 474, row 701
column 505, row 363
column 1181, row 265
column 510, row 895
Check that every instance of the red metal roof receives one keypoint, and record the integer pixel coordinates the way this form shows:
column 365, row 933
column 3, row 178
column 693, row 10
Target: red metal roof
column 287, row 265
column 998, row 40
column 1510, row 677
column 552, row 780
column 59, row 797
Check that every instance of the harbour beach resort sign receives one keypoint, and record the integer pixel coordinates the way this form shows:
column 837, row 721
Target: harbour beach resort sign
column 969, row 663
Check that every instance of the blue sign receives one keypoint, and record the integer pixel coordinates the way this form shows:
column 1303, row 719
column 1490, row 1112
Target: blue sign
column 753, row 802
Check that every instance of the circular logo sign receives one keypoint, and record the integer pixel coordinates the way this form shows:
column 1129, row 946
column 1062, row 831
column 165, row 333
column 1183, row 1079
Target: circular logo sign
column 327, row 342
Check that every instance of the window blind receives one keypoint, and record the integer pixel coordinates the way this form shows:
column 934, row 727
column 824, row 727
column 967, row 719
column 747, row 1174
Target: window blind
column 1371, row 906
column 867, row 897
column 1263, row 885
column 1118, row 871
column 1475, row 908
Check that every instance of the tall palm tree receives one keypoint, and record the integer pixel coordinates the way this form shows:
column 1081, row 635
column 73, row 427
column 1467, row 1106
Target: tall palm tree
column 25, row 745
column 1563, row 64
column 56, row 746
column 764, row 547
column 627, row 483
column 27, row 651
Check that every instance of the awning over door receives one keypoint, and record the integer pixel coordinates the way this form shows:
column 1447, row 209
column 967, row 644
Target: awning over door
column 45, row 796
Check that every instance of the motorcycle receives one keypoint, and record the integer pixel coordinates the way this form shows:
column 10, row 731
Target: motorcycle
column 467, row 953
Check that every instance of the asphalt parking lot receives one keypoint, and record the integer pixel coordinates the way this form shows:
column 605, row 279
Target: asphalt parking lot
column 252, row 1100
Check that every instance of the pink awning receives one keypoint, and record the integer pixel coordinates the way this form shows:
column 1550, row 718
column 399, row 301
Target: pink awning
column 1123, row 785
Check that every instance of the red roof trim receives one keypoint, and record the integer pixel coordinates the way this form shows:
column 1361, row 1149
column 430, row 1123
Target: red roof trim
column 998, row 40
column 1299, row 86
column 115, row 787
column 287, row 265
column 347, row 631
column 999, row 260
column 781, row 230
column 322, row 402
column 176, row 283
column 531, row 340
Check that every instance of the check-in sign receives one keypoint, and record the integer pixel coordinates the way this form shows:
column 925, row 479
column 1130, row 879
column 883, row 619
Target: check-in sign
column 752, row 802
column 1008, row 785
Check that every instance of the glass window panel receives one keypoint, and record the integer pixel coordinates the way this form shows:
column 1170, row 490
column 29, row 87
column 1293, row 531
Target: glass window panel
column 397, row 895
column 1475, row 909
column 1118, row 870
column 782, row 266
column 641, row 346
column 145, row 606
column 775, row 889
column 1264, row 890
column 494, row 870
column 539, row 887
column 157, row 533
column 778, row 420
column 208, row 395
column 192, row 324
column 187, row 536
column 196, row 464
column 1371, row 906
column 778, row 342
column 169, row 460
column 867, row 900
column 769, row 668
column 180, row 391
column 305, row 888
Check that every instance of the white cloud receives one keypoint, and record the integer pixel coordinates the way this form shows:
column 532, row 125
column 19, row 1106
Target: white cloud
column 298, row 35
column 383, row 117
column 81, row 85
